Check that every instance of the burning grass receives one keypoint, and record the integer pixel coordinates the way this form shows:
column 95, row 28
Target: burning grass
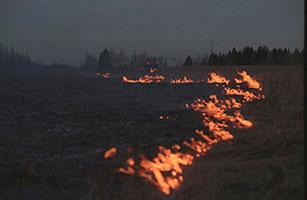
column 105, row 75
column 180, row 81
column 171, row 161
column 57, row 129
column 239, row 164
column 145, row 79
column 266, row 163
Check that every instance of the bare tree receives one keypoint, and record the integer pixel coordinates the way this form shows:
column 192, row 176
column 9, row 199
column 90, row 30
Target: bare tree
column 211, row 42
column 90, row 61
column 178, row 62
column 122, row 59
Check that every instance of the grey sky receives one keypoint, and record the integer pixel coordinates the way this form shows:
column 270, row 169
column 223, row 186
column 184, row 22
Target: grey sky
column 66, row 29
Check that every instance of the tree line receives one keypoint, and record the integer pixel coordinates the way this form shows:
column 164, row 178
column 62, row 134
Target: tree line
column 10, row 58
column 110, row 58
column 260, row 56
column 248, row 56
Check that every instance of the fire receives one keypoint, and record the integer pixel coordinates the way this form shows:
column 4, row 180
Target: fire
column 184, row 80
column 165, row 170
column 248, row 96
column 110, row 153
column 252, row 83
column 145, row 79
column 166, row 161
column 106, row 75
column 215, row 78
column 152, row 70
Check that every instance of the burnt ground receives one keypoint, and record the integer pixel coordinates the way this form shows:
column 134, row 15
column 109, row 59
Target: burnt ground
column 56, row 125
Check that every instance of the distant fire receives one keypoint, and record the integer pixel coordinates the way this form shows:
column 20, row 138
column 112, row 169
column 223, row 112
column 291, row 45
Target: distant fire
column 165, row 170
column 145, row 79
column 184, row 80
column 106, row 75
column 152, row 70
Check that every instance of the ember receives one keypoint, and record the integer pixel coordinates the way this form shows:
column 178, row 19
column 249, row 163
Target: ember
column 106, row 75
column 110, row 153
column 152, row 70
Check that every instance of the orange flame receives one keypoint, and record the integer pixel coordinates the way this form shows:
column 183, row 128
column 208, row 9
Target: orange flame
column 145, row 79
column 166, row 161
column 110, row 153
column 252, row 83
column 248, row 96
column 165, row 170
column 152, row 70
column 106, row 75
column 215, row 78
column 184, row 80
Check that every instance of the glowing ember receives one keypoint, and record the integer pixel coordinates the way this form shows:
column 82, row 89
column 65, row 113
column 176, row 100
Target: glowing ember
column 184, row 80
column 152, row 70
column 165, row 170
column 145, row 79
column 106, row 75
column 110, row 153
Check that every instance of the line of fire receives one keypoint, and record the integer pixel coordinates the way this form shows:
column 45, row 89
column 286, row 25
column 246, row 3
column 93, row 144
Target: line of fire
column 218, row 114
